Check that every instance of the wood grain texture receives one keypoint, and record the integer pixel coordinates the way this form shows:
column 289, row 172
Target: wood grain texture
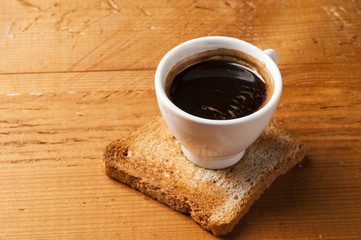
column 75, row 75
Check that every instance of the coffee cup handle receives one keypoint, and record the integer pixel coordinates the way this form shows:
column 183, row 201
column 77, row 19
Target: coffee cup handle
column 272, row 54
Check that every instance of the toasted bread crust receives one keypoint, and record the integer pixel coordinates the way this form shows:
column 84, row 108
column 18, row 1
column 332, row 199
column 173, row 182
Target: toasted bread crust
column 150, row 160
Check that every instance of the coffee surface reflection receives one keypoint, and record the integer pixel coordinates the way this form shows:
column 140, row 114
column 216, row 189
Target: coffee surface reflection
column 218, row 89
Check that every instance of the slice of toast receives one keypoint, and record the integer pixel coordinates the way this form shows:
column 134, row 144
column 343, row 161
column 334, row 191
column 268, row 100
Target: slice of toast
column 150, row 160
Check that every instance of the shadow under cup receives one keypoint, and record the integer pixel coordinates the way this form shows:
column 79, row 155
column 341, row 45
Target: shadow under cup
column 208, row 143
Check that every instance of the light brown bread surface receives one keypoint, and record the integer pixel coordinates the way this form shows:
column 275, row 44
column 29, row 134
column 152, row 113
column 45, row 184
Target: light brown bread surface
column 150, row 160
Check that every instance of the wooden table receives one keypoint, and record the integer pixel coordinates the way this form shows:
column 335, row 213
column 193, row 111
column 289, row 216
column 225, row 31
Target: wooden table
column 75, row 75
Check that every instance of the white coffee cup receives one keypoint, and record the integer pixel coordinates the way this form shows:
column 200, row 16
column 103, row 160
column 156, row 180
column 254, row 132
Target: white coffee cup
column 215, row 144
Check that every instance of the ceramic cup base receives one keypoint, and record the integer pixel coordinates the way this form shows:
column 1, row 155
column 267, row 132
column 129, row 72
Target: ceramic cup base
column 213, row 163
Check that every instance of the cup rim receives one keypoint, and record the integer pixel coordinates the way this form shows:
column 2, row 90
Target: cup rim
column 276, row 75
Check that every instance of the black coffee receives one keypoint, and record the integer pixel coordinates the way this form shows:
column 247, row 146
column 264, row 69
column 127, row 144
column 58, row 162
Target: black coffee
column 218, row 89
